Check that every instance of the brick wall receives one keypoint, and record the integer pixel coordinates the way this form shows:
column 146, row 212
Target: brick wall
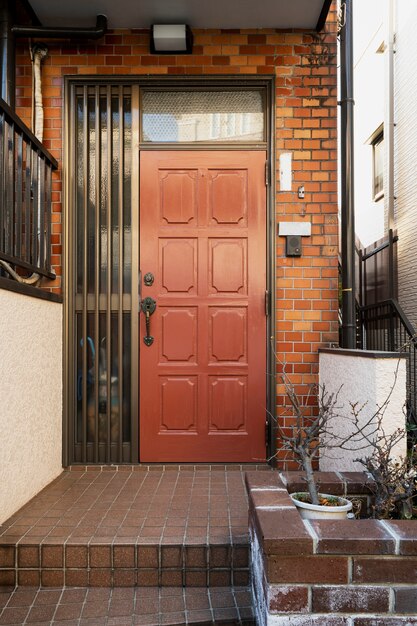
column 304, row 66
column 358, row 572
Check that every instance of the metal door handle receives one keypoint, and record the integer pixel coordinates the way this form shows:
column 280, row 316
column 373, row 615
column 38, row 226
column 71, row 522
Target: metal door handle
column 148, row 307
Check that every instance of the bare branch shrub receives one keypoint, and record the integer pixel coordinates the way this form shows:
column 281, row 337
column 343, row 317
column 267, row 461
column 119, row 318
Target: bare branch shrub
column 392, row 479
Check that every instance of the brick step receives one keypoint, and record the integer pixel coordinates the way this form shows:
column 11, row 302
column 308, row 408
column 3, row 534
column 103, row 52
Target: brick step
column 146, row 606
column 123, row 564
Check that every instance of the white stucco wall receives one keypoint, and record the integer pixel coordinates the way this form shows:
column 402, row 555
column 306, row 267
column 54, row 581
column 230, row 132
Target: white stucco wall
column 31, row 398
column 368, row 381
column 405, row 185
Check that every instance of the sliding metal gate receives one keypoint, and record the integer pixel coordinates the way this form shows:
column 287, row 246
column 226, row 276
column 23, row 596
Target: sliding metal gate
column 99, row 273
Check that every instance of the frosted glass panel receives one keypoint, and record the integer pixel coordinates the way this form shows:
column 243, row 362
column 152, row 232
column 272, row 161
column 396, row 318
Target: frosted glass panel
column 202, row 116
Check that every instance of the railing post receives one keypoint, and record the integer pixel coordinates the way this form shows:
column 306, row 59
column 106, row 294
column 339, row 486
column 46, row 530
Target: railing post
column 26, row 199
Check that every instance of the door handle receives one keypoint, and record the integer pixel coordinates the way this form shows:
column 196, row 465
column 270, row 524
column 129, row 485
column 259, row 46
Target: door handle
column 148, row 307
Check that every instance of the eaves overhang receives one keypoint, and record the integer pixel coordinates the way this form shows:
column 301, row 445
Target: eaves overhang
column 305, row 15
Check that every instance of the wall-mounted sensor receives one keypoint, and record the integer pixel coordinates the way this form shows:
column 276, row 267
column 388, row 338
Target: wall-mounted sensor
column 301, row 192
column 293, row 245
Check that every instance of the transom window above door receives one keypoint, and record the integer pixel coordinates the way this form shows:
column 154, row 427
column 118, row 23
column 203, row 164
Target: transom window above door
column 203, row 116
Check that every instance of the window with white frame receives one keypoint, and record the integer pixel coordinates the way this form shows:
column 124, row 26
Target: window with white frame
column 377, row 143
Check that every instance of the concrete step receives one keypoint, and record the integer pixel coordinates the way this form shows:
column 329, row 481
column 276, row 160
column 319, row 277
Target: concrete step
column 123, row 564
column 126, row 607
column 128, row 528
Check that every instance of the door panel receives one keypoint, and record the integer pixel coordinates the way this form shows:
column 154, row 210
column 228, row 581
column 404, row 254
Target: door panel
column 203, row 237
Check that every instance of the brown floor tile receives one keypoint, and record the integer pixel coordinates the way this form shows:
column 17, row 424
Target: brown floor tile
column 22, row 597
column 73, row 596
column 41, row 613
column 196, row 602
column 94, row 609
column 13, row 616
column 68, row 611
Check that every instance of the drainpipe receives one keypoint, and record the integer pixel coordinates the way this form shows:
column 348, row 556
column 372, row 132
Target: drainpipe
column 389, row 134
column 348, row 339
column 39, row 52
column 7, row 53
column 65, row 32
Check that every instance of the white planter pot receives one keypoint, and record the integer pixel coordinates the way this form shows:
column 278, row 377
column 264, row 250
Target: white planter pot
column 317, row 511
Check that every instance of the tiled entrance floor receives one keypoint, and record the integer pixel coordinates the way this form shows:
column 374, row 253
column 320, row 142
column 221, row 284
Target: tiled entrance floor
column 141, row 507
column 156, row 532
column 125, row 607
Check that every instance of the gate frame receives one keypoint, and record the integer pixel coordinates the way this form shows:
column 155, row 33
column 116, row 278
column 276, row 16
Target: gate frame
column 218, row 83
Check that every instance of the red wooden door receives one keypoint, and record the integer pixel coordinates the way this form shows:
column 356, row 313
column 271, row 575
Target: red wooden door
column 203, row 237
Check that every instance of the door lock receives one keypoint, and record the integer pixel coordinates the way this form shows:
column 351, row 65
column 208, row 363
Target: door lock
column 148, row 279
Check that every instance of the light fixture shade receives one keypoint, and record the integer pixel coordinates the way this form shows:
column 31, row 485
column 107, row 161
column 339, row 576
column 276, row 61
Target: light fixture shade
column 171, row 38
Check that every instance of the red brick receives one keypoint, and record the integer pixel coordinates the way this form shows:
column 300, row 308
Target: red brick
column 357, row 599
column 287, row 599
column 385, row 570
column 310, row 569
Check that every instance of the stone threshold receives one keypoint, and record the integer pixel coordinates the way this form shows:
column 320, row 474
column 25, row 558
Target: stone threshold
column 170, row 467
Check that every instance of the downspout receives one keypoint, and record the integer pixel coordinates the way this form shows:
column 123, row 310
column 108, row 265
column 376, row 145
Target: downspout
column 39, row 52
column 348, row 338
column 390, row 122
column 390, row 115
column 65, row 32
column 7, row 53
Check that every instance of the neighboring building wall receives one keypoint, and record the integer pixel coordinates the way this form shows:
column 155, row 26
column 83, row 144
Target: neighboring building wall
column 405, row 92
column 369, row 95
column 31, row 393
column 304, row 66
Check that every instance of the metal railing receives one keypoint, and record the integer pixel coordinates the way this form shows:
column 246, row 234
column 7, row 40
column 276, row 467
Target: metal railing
column 25, row 197
column 385, row 326
column 376, row 270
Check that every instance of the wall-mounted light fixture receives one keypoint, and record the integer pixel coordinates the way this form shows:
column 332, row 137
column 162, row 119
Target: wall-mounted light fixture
column 171, row 39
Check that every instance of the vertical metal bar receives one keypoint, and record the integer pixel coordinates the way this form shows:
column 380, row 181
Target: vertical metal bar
column 10, row 176
column 121, row 251
column 391, row 277
column 109, row 269
column 19, row 196
column 97, row 130
column 134, row 383
column 2, row 177
column 35, row 206
column 27, row 202
column 365, row 283
column 68, row 322
column 48, row 217
column 414, row 403
column 41, row 260
column 85, row 271
column 391, row 322
column 70, row 362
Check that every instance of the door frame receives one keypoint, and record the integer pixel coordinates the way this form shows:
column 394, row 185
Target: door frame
column 266, row 83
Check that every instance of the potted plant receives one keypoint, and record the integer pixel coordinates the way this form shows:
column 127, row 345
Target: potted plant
column 392, row 479
column 305, row 439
